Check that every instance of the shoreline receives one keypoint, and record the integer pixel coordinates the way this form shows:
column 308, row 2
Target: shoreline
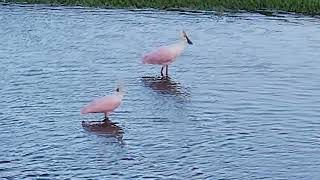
column 267, row 7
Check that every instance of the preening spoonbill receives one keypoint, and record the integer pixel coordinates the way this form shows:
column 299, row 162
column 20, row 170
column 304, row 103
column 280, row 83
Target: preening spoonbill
column 105, row 104
column 167, row 54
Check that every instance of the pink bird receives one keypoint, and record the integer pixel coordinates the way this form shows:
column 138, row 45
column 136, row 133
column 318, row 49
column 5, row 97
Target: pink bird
column 167, row 54
column 105, row 104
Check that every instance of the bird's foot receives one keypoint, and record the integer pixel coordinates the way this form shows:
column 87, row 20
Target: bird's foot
column 106, row 119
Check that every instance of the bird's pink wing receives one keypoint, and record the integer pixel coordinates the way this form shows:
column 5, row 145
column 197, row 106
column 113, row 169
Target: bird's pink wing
column 104, row 104
column 161, row 56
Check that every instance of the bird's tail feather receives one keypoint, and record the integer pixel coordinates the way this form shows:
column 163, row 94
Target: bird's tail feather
column 145, row 59
column 84, row 110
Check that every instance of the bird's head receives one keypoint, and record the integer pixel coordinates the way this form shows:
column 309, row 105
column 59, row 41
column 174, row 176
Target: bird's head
column 185, row 37
column 119, row 89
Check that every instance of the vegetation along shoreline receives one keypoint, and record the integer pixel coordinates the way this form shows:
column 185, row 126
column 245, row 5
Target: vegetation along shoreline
column 308, row 7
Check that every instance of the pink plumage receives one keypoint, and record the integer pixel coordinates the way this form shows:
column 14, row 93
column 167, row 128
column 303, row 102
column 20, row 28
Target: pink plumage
column 105, row 104
column 167, row 54
column 162, row 56
column 102, row 105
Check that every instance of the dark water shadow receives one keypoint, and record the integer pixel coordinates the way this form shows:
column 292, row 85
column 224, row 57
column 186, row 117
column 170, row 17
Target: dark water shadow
column 165, row 85
column 104, row 128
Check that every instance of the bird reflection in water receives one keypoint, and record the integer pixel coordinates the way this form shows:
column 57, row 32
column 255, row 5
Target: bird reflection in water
column 105, row 127
column 165, row 85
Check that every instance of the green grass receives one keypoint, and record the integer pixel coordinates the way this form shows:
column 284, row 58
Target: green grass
column 311, row 7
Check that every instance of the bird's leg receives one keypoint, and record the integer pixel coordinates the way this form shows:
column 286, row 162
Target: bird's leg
column 162, row 70
column 105, row 117
column 167, row 67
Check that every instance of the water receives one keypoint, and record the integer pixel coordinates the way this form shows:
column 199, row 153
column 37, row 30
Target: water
column 241, row 103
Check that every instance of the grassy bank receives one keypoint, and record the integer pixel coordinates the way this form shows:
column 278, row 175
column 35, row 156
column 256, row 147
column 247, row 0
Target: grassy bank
column 311, row 7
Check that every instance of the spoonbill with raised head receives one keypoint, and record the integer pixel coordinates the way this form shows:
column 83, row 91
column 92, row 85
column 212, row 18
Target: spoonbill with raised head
column 167, row 54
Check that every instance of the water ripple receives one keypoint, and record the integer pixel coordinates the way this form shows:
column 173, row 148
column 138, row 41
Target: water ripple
column 242, row 103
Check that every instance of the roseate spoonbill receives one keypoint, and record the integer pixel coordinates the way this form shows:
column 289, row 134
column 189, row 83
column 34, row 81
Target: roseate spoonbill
column 167, row 54
column 105, row 104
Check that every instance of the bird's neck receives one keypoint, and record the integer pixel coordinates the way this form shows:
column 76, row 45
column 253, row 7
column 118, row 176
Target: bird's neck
column 183, row 42
column 119, row 94
column 181, row 45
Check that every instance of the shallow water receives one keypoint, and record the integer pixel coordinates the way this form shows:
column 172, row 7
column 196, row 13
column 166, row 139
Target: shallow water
column 241, row 103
